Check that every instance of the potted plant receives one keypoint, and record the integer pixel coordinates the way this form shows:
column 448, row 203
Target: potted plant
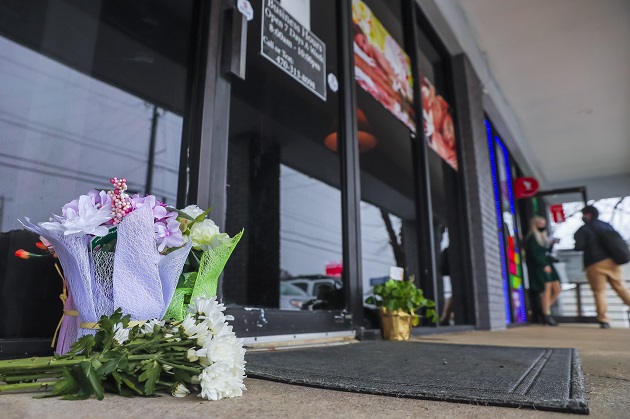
column 398, row 303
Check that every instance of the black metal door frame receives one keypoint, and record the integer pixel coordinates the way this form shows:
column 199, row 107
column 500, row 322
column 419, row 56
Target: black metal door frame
column 203, row 169
column 205, row 139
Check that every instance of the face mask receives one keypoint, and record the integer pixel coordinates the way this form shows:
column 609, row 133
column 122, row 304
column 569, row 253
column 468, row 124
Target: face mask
column 542, row 229
column 585, row 219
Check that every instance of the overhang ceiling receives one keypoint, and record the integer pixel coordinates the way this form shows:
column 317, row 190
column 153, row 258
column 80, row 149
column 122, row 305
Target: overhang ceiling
column 564, row 69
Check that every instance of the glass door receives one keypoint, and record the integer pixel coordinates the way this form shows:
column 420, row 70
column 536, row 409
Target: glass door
column 563, row 211
column 284, row 175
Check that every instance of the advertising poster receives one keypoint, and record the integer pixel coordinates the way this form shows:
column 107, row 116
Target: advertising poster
column 438, row 124
column 381, row 66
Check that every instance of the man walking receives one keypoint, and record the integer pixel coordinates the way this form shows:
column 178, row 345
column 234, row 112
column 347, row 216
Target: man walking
column 593, row 238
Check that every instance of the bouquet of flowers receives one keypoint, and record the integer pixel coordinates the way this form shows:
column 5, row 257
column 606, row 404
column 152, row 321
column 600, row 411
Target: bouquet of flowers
column 200, row 353
column 128, row 252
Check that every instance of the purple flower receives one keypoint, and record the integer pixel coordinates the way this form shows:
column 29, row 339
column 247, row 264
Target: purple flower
column 159, row 209
column 99, row 199
column 72, row 205
column 168, row 234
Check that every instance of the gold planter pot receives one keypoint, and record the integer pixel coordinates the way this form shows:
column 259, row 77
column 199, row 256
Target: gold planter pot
column 395, row 325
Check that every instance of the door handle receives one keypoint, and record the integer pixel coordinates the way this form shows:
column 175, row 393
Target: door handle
column 235, row 43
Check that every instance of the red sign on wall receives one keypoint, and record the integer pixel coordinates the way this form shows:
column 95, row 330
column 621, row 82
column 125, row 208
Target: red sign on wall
column 525, row 187
column 557, row 213
column 334, row 269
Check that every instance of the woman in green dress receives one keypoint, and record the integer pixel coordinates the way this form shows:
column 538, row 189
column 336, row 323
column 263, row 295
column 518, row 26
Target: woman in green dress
column 544, row 282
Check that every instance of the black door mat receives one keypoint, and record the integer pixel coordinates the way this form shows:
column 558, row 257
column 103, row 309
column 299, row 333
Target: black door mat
column 539, row 378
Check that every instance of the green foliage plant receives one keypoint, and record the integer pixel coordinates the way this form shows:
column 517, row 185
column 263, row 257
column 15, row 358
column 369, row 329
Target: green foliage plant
column 403, row 296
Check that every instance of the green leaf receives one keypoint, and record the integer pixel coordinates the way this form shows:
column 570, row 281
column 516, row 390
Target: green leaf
column 180, row 213
column 117, row 379
column 67, row 385
column 93, row 379
column 203, row 215
column 182, row 376
column 78, row 396
column 128, row 379
column 399, row 295
column 83, row 345
column 151, row 373
column 114, row 361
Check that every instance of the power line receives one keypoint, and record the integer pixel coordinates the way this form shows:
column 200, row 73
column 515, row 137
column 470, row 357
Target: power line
column 86, row 179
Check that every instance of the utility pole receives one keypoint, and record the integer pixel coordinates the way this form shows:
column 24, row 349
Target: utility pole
column 151, row 161
column 1, row 210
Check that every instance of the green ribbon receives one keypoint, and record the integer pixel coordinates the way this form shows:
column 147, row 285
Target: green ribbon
column 210, row 267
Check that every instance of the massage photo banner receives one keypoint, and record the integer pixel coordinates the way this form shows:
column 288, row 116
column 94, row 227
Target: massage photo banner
column 439, row 129
column 382, row 68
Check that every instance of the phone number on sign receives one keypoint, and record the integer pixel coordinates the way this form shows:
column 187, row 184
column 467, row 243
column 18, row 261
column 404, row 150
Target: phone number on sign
column 285, row 64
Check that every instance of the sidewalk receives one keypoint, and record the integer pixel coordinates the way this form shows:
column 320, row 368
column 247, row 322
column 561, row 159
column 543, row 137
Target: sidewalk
column 605, row 356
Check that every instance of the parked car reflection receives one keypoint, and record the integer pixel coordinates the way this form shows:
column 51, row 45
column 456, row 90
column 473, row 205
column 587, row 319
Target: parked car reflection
column 326, row 293
column 292, row 297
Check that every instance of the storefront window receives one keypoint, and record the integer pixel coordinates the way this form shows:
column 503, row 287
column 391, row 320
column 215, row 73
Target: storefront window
column 283, row 165
column 386, row 124
column 439, row 134
column 89, row 90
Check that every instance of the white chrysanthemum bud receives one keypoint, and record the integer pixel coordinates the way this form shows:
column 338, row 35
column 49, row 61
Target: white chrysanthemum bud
column 180, row 390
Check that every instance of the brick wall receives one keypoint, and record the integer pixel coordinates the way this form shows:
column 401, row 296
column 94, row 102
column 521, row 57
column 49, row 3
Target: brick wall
column 479, row 195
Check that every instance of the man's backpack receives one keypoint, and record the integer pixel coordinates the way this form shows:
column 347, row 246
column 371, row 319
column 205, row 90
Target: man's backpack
column 611, row 241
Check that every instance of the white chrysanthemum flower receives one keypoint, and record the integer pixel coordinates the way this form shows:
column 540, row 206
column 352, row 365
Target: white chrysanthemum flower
column 148, row 327
column 219, row 381
column 194, row 330
column 216, row 324
column 192, row 355
column 223, row 349
column 120, row 333
column 180, row 390
column 202, row 357
column 206, row 306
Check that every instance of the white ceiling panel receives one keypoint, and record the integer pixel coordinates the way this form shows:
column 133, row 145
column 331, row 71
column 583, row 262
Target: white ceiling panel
column 564, row 68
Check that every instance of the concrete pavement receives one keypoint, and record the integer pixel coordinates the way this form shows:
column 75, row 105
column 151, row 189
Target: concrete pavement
column 605, row 356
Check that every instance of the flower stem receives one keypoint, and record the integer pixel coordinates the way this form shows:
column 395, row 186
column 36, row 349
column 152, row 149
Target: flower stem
column 28, row 377
column 36, row 363
column 183, row 343
column 26, row 386
column 182, row 367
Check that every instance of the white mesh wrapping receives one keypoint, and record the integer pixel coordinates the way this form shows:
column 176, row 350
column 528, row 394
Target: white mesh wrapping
column 139, row 287
column 103, row 282
column 170, row 268
column 135, row 278
column 69, row 328
column 77, row 268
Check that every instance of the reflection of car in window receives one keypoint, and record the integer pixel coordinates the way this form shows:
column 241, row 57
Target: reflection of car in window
column 315, row 285
column 326, row 293
column 292, row 297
